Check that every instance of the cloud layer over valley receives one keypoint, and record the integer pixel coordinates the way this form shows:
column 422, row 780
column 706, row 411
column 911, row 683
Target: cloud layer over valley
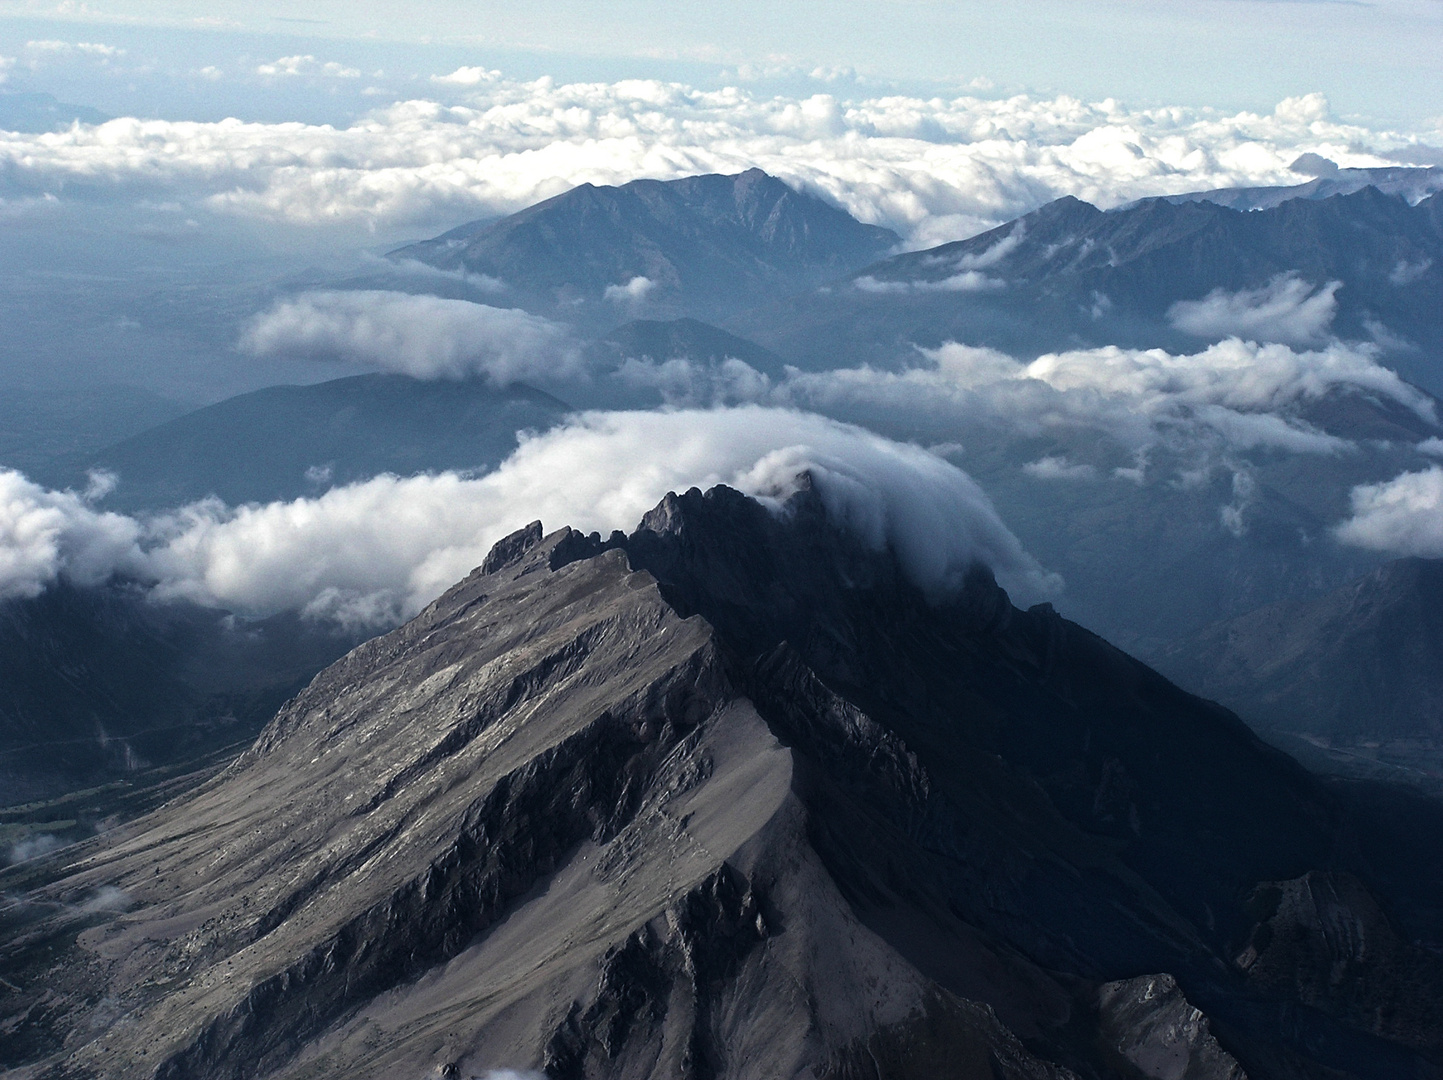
column 934, row 169
column 424, row 336
column 372, row 553
column 1233, row 396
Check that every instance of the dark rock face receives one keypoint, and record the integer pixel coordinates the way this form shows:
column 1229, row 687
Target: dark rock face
column 729, row 798
column 707, row 243
column 1357, row 671
column 1323, row 938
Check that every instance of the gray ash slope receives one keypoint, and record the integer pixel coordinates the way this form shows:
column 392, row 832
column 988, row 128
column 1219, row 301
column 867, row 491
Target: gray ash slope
column 729, row 798
column 707, row 243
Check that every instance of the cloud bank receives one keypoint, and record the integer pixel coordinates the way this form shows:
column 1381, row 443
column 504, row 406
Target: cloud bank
column 1232, row 396
column 1403, row 516
column 424, row 336
column 933, row 169
column 1286, row 309
column 372, row 553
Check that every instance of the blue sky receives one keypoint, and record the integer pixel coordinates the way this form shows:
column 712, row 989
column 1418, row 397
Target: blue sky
column 1378, row 61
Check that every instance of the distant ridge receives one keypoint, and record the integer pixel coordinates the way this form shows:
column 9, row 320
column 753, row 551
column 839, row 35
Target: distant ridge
column 1409, row 182
column 1358, row 670
column 1069, row 275
column 287, row 441
column 690, row 339
column 702, row 243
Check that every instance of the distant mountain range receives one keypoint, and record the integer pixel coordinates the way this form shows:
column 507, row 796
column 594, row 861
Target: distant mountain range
column 285, row 442
column 1411, row 183
column 32, row 111
column 685, row 339
column 729, row 797
column 1070, row 276
column 696, row 246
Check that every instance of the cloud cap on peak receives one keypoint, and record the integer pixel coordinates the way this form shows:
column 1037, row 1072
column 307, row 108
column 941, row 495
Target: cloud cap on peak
column 376, row 552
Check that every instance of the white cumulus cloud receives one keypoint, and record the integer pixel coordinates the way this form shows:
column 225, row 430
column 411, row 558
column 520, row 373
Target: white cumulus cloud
column 1402, row 516
column 965, row 281
column 47, row 534
column 1236, row 393
column 1059, row 468
column 1233, row 396
column 425, row 336
column 633, row 292
column 1286, row 309
column 467, row 76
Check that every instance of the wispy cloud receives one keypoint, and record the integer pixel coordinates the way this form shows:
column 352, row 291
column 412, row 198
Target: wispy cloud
column 1286, row 309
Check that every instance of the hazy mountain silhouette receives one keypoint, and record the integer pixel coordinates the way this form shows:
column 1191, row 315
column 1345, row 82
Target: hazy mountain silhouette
column 101, row 684
column 288, row 441
column 1358, row 671
column 1412, row 183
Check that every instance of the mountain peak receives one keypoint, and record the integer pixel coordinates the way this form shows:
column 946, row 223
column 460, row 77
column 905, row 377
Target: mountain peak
column 700, row 242
column 725, row 795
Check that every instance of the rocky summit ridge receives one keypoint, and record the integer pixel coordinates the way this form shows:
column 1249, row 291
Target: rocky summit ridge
column 729, row 797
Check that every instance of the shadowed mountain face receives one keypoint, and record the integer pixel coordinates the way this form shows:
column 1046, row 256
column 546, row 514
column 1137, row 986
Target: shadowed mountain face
column 1069, row 275
column 101, row 685
column 730, row 798
column 703, row 244
column 285, row 442
column 1358, row 671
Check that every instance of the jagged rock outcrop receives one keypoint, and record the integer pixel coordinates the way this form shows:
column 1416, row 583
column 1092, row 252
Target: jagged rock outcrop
column 1325, row 939
column 1152, row 1027
column 727, row 797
